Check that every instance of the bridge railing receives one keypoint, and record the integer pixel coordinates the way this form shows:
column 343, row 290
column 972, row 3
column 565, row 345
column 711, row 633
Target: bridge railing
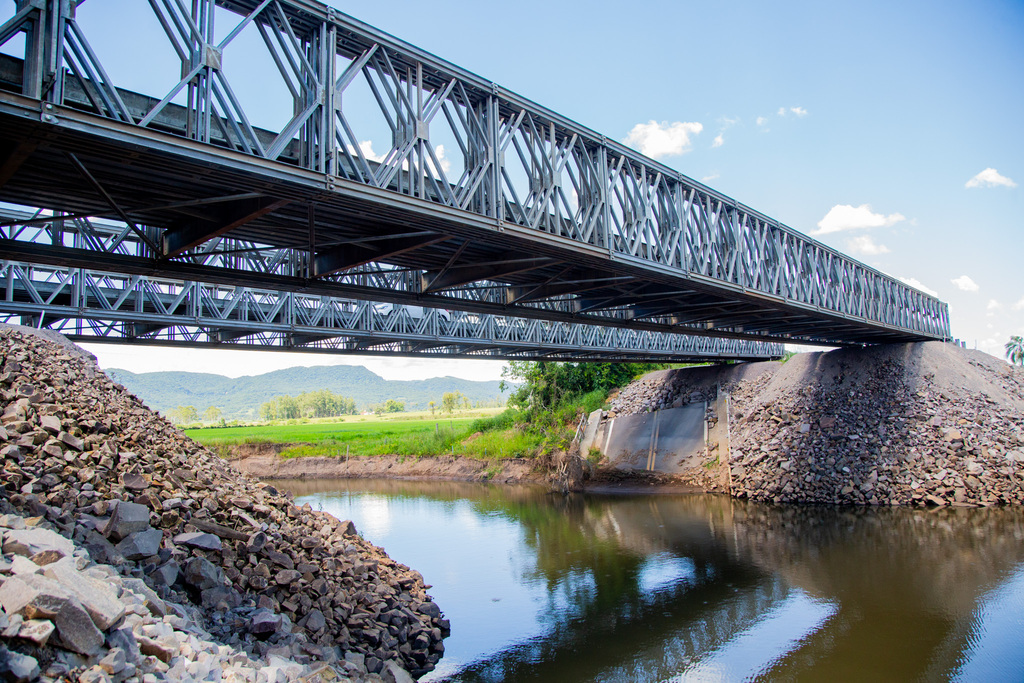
column 368, row 108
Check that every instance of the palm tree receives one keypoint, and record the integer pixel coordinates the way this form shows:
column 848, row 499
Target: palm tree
column 1015, row 349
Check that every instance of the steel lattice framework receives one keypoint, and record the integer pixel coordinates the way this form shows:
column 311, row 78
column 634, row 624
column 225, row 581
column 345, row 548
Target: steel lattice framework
column 91, row 306
column 519, row 212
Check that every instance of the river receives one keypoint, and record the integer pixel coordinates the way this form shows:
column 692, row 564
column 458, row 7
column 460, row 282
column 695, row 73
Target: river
column 662, row 587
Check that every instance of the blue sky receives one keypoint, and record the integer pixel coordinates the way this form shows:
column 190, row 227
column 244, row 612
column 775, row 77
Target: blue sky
column 891, row 131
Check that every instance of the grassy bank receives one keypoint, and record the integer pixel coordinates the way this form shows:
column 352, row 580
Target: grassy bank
column 417, row 435
column 541, row 420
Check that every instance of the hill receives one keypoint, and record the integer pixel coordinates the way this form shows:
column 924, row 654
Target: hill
column 240, row 397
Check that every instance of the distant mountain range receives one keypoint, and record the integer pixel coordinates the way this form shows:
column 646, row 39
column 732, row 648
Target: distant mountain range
column 241, row 397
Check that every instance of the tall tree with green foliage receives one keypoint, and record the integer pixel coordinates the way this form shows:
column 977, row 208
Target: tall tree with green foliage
column 543, row 385
column 1015, row 349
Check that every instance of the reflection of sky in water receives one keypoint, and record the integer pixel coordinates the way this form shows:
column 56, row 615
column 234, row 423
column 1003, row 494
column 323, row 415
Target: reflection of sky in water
column 997, row 652
column 663, row 571
column 476, row 563
column 754, row 650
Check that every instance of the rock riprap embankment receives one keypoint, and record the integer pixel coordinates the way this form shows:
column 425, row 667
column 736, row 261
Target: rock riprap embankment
column 913, row 424
column 129, row 552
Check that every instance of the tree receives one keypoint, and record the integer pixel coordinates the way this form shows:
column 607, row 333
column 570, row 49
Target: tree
column 212, row 414
column 393, row 406
column 541, row 385
column 184, row 415
column 451, row 400
column 433, row 407
column 1015, row 349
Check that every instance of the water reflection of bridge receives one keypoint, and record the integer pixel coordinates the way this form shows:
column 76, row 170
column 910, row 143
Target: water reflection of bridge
column 663, row 584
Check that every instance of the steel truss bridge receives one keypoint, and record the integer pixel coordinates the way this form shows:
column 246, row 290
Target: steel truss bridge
column 170, row 215
column 88, row 305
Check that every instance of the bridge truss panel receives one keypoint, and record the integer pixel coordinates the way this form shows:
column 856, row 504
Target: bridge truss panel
column 98, row 306
column 474, row 197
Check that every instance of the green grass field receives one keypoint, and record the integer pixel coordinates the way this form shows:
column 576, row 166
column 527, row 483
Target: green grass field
column 368, row 435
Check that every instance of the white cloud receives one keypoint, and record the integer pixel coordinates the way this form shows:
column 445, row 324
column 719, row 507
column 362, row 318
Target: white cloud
column 782, row 111
column 846, row 217
column 866, row 245
column 993, row 306
column 761, row 120
column 718, row 141
column 664, row 139
column 965, row 283
column 1019, row 306
column 916, row 284
column 990, row 177
column 366, row 147
column 446, row 164
column 799, row 111
column 715, row 174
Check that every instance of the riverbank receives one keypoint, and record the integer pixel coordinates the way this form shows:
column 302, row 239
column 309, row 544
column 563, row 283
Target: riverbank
column 264, row 461
column 902, row 424
column 211, row 570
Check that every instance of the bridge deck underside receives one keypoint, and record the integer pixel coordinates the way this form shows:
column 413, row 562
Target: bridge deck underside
column 460, row 260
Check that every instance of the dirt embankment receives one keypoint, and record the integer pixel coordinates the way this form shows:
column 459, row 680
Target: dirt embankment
column 263, row 461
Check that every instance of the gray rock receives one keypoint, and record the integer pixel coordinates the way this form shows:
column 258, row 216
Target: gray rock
column 152, row 601
column 36, row 630
column 126, row 519
column 134, row 481
column 140, row 544
column 430, row 609
column 36, row 540
column 263, row 623
column 393, row 673
column 124, row 639
column 256, row 542
column 102, row 550
column 314, row 621
column 287, row 576
column 115, row 661
column 33, row 596
column 97, row 597
column 196, row 539
column 18, row 668
column 166, row 574
column 71, row 440
column 203, row 574
column 76, row 629
column 224, row 596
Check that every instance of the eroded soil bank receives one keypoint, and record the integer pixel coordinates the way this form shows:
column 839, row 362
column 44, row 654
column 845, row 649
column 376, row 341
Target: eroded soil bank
column 264, row 461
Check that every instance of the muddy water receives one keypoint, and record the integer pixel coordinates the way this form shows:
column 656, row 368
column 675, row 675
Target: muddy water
column 697, row 587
